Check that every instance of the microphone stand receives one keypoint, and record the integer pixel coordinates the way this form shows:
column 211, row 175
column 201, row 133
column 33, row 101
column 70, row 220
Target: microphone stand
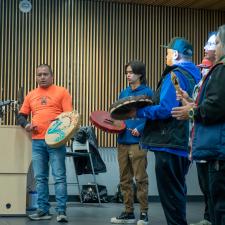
column 1, row 115
column 3, row 105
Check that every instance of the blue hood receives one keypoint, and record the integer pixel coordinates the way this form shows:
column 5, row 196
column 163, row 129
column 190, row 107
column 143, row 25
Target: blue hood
column 140, row 90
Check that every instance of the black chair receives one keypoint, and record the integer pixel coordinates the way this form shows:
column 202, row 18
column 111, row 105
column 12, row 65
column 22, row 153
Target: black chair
column 78, row 151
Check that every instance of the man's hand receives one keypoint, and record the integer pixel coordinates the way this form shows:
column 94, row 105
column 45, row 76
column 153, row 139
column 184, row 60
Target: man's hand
column 181, row 113
column 135, row 132
column 30, row 128
column 183, row 97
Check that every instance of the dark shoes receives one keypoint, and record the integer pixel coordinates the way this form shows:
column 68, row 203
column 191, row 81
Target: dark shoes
column 125, row 217
column 143, row 219
column 40, row 215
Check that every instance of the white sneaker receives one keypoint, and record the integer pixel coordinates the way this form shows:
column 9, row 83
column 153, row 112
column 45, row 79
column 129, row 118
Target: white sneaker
column 143, row 219
column 124, row 218
column 202, row 222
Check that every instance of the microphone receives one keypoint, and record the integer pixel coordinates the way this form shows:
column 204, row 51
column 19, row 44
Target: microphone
column 4, row 103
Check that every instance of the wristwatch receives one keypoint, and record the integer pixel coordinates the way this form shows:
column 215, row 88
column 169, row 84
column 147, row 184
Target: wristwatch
column 191, row 113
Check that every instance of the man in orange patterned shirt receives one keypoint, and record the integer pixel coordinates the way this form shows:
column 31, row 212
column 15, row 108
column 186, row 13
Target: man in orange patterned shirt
column 45, row 103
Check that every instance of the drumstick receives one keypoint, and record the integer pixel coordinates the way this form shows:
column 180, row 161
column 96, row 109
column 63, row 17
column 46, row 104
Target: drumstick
column 112, row 122
column 53, row 120
column 109, row 121
column 176, row 84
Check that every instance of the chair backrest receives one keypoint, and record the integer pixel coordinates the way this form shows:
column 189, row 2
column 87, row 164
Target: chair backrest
column 80, row 146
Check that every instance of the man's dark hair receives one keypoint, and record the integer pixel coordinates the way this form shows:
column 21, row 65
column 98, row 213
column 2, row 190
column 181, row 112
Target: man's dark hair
column 46, row 65
column 138, row 67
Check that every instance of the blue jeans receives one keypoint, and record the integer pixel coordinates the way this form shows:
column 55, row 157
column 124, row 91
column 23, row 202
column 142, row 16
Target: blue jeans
column 42, row 156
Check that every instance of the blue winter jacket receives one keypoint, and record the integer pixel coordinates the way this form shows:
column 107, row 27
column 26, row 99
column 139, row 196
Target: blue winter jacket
column 126, row 137
column 209, row 128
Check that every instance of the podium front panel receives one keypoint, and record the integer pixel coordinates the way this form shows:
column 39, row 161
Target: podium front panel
column 15, row 150
column 13, row 194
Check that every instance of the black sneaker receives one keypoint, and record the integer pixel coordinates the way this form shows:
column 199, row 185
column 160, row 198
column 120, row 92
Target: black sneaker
column 61, row 217
column 125, row 217
column 143, row 219
column 40, row 215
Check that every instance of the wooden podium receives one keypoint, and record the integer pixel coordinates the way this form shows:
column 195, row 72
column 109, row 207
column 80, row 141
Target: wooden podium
column 15, row 158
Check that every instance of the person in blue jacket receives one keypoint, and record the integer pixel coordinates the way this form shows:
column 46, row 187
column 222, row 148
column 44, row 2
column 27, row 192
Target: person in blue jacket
column 168, row 137
column 131, row 158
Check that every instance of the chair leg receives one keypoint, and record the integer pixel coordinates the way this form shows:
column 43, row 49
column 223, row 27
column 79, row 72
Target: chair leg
column 79, row 189
column 78, row 183
column 95, row 182
column 77, row 179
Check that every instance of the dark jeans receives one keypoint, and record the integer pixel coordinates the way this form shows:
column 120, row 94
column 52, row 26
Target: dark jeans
column 170, row 176
column 203, row 179
column 217, row 191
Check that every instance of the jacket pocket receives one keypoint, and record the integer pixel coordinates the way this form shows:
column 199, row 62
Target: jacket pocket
column 207, row 137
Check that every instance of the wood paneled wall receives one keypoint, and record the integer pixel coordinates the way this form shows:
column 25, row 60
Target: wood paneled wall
column 87, row 44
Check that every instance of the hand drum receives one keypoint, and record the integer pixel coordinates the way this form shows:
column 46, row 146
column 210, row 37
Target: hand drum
column 103, row 121
column 62, row 129
column 120, row 110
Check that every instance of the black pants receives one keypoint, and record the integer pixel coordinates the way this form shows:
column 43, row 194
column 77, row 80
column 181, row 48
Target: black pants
column 203, row 179
column 217, row 191
column 170, row 175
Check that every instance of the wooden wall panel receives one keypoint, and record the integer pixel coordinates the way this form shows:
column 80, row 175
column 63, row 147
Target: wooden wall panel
column 199, row 4
column 87, row 44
